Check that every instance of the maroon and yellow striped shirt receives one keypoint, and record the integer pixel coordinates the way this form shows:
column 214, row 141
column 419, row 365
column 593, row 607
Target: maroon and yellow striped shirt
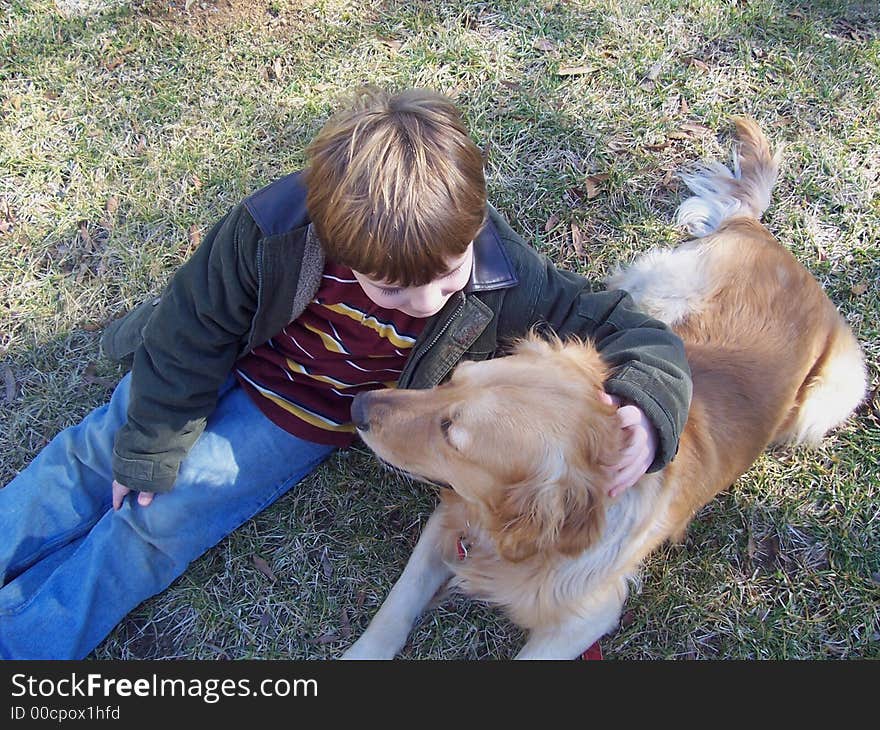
column 306, row 376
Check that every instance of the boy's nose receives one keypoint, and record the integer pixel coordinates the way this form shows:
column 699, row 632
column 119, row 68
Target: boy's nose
column 428, row 300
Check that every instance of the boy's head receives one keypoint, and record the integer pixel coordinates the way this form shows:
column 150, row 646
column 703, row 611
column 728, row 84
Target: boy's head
column 396, row 190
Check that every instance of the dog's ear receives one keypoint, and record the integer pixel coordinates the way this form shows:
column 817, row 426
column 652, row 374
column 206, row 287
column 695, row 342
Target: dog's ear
column 537, row 514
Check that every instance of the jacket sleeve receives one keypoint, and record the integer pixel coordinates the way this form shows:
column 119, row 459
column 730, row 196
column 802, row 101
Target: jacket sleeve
column 648, row 361
column 189, row 347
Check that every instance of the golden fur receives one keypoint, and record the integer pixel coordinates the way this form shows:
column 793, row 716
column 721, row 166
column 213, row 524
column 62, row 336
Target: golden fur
column 519, row 440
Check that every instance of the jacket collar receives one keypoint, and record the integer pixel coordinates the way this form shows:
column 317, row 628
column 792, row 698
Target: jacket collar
column 492, row 268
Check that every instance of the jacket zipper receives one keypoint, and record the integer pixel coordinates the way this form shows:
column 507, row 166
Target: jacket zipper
column 419, row 355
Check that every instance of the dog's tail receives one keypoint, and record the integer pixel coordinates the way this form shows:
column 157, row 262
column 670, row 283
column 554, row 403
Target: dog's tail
column 720, row 194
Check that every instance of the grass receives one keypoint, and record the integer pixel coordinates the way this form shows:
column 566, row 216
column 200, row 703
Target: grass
column 127, row 128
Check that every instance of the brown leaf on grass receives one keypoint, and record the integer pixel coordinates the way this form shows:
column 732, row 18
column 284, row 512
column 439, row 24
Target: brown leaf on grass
column 659, row 146
column 327, row 638
column 650, row 78
column 261, row 565
column 697, row 63
column 544, row 44
column 345, row 624
column 5, row 227
column 513, row 85
column 392, row 43
column 85, row 236
column 575, row 70
column 90, row 377
column 275, row 71
column 683, row 106
column 265, row 620
column 593, row 183
column 326, row 566
column 9, row 383
column 359, row 601
column 112, row 204
column 194, row 237
column 113, row 63
column 694, row 129
column 859, row 289
column 577, row 239
column 551, row 223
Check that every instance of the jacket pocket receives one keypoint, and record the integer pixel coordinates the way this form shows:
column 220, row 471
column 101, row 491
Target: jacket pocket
column 123, row 336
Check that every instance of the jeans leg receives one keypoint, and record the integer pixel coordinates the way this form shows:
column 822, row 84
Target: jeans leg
column 240, row 465
column 63, row 492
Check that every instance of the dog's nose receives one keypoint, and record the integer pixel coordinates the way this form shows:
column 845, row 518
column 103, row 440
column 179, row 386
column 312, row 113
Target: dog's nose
column 359, row 412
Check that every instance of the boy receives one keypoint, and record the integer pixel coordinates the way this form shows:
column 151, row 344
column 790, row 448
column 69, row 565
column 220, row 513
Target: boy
column 380, row 265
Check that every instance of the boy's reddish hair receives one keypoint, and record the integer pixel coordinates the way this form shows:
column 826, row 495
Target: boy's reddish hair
column 396, row 186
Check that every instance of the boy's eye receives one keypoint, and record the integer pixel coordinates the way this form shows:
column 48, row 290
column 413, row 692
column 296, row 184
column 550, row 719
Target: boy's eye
column 390, row 291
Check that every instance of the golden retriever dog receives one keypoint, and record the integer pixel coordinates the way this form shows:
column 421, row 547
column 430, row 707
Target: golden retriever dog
column 525, row 523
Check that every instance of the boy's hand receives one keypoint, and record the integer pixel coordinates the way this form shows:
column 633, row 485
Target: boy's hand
column 120, row 490
column 639, row 446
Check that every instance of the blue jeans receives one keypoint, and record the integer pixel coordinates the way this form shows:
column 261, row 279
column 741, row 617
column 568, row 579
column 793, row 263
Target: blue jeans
column 71, row 567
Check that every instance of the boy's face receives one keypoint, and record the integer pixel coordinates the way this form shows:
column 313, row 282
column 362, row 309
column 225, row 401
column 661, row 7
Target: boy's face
column 420, row 301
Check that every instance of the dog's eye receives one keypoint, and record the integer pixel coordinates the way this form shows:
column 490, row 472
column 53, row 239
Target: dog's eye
column 445, row 425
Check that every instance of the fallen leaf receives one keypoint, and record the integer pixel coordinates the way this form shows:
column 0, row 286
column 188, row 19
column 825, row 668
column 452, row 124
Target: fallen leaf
column 575, row 70
column 327, row 638
column 326, row 565
column 551, row 223
column 627, row 619
column 511, row 85
column 697, row 63
column 657, row 147
column 650, row 78
column 361, row 597
column 261, row 565
column 859, row 288
column 683, row 106
column 694, row 129
column 86, row 237
column 544, row 44
column 5, row 227
column 345, row 630
column 593, row 182
column 114, row 63
column 196, row 182
column 392, row 43
column 9, row 383
column 112, row 204
column 194, row 237
column 577, row 239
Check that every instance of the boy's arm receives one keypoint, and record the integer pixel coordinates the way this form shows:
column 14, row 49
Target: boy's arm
column 189, row 347
column 649, row 367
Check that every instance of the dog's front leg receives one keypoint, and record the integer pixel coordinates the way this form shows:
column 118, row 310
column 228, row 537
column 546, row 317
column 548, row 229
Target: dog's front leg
column 424, row 574
column 569, row 638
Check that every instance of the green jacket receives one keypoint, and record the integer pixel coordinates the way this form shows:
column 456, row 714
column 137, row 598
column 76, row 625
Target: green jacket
column 259, row 267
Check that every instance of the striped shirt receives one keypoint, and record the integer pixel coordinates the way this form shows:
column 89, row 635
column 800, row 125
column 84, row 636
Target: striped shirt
column 305, row 377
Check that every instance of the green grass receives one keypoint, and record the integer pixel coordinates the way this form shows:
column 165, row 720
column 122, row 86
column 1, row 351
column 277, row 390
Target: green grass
column 126, row 127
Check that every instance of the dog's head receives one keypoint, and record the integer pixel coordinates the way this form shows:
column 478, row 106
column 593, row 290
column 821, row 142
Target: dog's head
column 521, row 438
